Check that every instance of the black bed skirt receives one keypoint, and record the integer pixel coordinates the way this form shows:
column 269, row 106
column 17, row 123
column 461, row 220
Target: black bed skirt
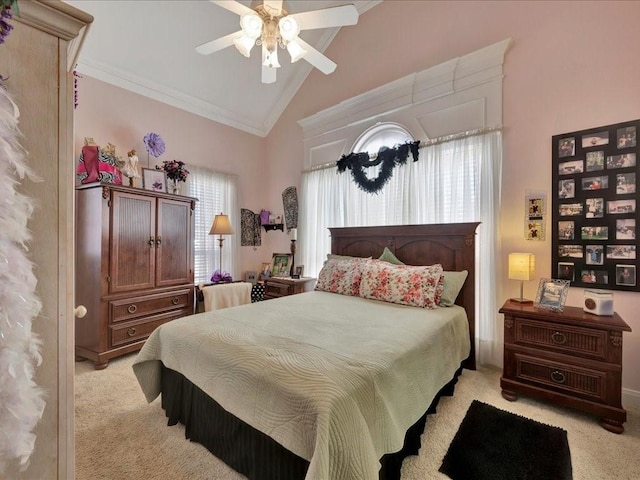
column 251, row 452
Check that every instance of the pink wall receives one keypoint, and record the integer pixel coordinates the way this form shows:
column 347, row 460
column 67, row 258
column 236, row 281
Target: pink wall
column 111, row 114
column 572, row 66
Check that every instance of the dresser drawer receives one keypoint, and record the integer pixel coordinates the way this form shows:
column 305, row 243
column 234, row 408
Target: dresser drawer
column 131, row 308
column 130, row 332
column 570, row 340
column 562, row 377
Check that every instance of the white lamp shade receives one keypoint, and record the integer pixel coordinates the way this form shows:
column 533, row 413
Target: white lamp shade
column 296, row 51
column 251, row 25
column 221, row 226
column 289, row 28
column 522, row 266
column 244, row 45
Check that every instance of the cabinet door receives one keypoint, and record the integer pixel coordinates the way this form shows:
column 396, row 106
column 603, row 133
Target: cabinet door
column 173, row 255
column 133, row 242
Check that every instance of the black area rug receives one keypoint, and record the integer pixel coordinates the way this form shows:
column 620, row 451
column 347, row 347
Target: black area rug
column 492, row 444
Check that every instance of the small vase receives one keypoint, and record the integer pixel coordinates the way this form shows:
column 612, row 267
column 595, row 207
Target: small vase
column 175, row 189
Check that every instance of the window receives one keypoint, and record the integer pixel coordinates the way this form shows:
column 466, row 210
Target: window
column 216, row 193
column 453, row 181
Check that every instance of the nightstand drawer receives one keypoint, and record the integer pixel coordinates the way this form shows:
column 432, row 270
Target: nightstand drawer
column 274, row 289
column 570, row 340
column 572, row 379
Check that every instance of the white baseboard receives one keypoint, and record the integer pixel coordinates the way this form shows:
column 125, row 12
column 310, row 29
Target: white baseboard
column 630, row 398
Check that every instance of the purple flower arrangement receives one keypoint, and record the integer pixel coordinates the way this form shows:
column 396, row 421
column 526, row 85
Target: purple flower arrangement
column 154, row 144
column 5, row 16
column 176, row 170
column 219, row 276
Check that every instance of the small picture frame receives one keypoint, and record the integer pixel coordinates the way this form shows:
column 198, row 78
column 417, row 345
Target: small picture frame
column 566, row 271
column 265, row 270
column 552, row 294
column 281, row 264
column 626, row 275
column 155, row 180
column 298, row 271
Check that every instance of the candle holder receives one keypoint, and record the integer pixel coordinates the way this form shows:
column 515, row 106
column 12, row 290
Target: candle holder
column 293, row 260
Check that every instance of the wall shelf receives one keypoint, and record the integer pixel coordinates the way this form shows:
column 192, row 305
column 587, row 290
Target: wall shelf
column 273, row 226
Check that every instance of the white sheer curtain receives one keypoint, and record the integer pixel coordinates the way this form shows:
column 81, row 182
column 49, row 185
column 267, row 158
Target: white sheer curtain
column 216, row 193
column 454, row 181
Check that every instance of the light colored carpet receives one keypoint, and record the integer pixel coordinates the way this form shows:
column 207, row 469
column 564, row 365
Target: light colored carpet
column 120, row 436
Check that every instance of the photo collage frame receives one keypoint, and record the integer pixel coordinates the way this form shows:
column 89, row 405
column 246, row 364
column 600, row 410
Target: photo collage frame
column 594, row 207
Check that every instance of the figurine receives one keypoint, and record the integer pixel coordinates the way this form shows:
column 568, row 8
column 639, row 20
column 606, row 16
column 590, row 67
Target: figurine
column 130, row 168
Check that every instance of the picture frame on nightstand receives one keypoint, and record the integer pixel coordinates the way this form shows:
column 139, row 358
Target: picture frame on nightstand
column 298, row 271
column 552, row 294
column 281, row 264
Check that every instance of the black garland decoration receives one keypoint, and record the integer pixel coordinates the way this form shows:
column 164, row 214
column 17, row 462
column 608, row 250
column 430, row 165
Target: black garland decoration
column 389, row 157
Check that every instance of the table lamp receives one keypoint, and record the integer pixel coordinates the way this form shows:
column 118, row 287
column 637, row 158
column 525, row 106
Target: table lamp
column 221, row 226
column 522, row 266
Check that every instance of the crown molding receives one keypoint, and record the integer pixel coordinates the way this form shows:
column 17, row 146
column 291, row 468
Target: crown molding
column 169, row 96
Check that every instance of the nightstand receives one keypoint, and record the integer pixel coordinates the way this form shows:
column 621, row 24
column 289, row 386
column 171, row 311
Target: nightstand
column 570, row 358
column 275, row 287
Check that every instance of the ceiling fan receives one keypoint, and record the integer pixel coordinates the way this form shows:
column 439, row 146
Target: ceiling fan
column 268, row 24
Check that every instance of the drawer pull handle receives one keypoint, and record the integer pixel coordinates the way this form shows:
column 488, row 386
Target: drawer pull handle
column 159, row 241
column 175, row 300
column 557, row 377
column 132, row 308
column 131, row 332
column 559, row 338
column 152, row 241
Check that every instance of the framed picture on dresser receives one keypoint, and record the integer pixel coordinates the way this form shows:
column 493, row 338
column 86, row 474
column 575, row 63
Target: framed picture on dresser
column 155, row 180
column 594, row 202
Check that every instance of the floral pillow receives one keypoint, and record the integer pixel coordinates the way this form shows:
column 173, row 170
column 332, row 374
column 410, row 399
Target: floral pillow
column 403, row 284
column 341, row 276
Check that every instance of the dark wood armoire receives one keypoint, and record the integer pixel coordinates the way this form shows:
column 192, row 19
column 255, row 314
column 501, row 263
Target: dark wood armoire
column 134, row 266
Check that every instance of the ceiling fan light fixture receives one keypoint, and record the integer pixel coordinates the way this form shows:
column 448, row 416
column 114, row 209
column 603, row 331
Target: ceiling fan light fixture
column 251, row 25
column 244, row 45
column 289, row 28
column 270, row 57
column 295, row 50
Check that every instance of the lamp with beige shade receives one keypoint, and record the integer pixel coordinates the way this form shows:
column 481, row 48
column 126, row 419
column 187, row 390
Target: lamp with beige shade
column 522, row 266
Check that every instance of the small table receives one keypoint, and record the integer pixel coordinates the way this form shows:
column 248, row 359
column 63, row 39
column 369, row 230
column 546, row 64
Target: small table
column 571, row 358
column 276, row 287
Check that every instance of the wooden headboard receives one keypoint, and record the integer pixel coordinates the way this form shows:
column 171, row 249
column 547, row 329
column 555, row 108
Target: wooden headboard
column 452, row 245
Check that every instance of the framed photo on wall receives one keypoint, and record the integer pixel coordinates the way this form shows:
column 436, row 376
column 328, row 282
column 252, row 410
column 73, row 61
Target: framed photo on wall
column 155, row 180
column 594, row 202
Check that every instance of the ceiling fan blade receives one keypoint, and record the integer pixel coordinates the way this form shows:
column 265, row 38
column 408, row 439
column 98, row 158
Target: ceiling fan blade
column 269, row 74
column 233, row 6
column 315, row 58
column 274, row 7
column 218, row 44
column 329, row 17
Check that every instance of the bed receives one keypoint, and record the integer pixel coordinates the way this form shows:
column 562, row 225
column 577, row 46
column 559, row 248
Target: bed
column 319, row 385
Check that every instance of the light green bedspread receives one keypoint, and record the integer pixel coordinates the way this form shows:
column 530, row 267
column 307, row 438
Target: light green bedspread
column 335, row 379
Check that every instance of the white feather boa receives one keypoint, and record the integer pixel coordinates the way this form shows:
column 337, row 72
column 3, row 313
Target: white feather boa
column 21, row 400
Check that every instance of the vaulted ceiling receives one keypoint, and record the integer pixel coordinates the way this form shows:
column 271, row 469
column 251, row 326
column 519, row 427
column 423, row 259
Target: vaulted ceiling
column 148, row 47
